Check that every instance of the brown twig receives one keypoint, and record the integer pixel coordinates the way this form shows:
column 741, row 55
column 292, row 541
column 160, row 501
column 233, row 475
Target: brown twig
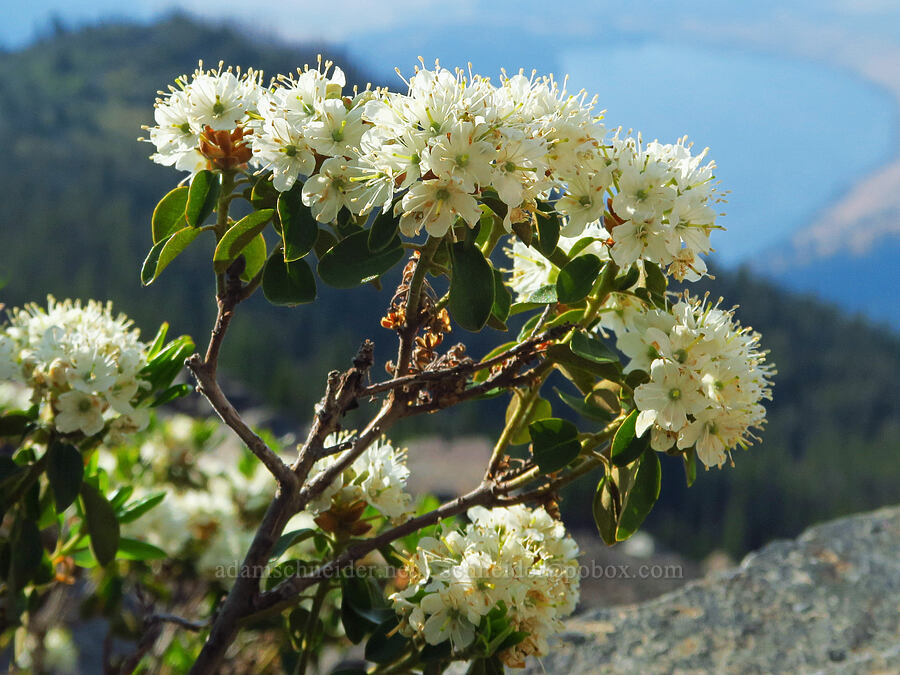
column 465, row 368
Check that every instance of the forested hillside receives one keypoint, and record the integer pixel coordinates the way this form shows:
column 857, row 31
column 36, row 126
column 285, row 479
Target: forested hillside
column 73, row 107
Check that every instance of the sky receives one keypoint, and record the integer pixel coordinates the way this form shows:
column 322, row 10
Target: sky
column 776, row 122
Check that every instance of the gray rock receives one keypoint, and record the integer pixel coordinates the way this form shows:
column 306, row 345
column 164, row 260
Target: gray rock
column 827, row 602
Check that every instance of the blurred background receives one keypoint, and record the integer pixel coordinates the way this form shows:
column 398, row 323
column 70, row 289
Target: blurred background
column 797, row 99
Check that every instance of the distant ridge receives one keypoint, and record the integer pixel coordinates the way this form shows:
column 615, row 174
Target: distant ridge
column 851, row 254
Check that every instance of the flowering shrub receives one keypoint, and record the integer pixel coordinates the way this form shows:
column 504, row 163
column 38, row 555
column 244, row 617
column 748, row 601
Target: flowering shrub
column 448, row 174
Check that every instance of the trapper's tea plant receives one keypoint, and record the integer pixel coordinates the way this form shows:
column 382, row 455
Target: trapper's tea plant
column 502, row 204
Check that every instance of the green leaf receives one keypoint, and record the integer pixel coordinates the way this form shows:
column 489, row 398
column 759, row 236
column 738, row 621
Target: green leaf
column 502, row 298
column 656, row 281
column 386, row 644
column 288, row 284
column 173, row 393
column 592, row 349
column 690, row 465
column 171, row 249
column 136, row 509
column 577, row 278
column 571, row 316
column 355, row 603
column 264, row 195
column 162, row 368
column 641, row 496
column 548, row 231
column 580, row 245
column 133, row 549
column 10, row 474
column 238, row 237
column 65, row 471
column 524, row 231
column 324, row 242
column 383, row 232
column 519, row 307
column 101, row 523
column 471, row 287
column 554, row 443
column 528, row 327
column 202, row 197
column 254, row 257
column 627, row 280
column 540, row 409
column 14, row 423
column 626, row 446
column 120, row 497
column 84, row 558
column 168, row 216
column 350, row 263
column 289, row 539
column 562, row 354
column 27, row 552
column 148, row 269
column 299, row 230
column 158, row 341
column 604, row 511
column 583, row 408
column 544, row 295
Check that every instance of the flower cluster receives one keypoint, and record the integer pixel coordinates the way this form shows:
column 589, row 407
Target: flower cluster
column 707, row 378
column 519, row 557
column 202, row 120
column 661, row 210
column 377, row 478
column 212, row 498
column 81, row 361
column 452, row 144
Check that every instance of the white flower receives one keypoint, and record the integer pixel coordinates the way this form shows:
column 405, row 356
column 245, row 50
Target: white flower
column 220, row 99
column 584, row 201
column 668, row 398
column 337, row 130
column 210, row 100
column 283, row 149
column 435, row 204
column 78, row 411
column 175, row 137
column 329, row 190
column 460, row 156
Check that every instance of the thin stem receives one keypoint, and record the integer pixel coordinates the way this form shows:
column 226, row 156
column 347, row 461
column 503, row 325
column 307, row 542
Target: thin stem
column 411, row 325
column 222, row 220
column 209, row 387
column 586, row 466
column 514, row 424
column 406, row 662
column 309, row 629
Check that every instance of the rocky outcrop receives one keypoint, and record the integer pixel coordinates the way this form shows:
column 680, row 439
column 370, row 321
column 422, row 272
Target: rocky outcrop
column 827, row 602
